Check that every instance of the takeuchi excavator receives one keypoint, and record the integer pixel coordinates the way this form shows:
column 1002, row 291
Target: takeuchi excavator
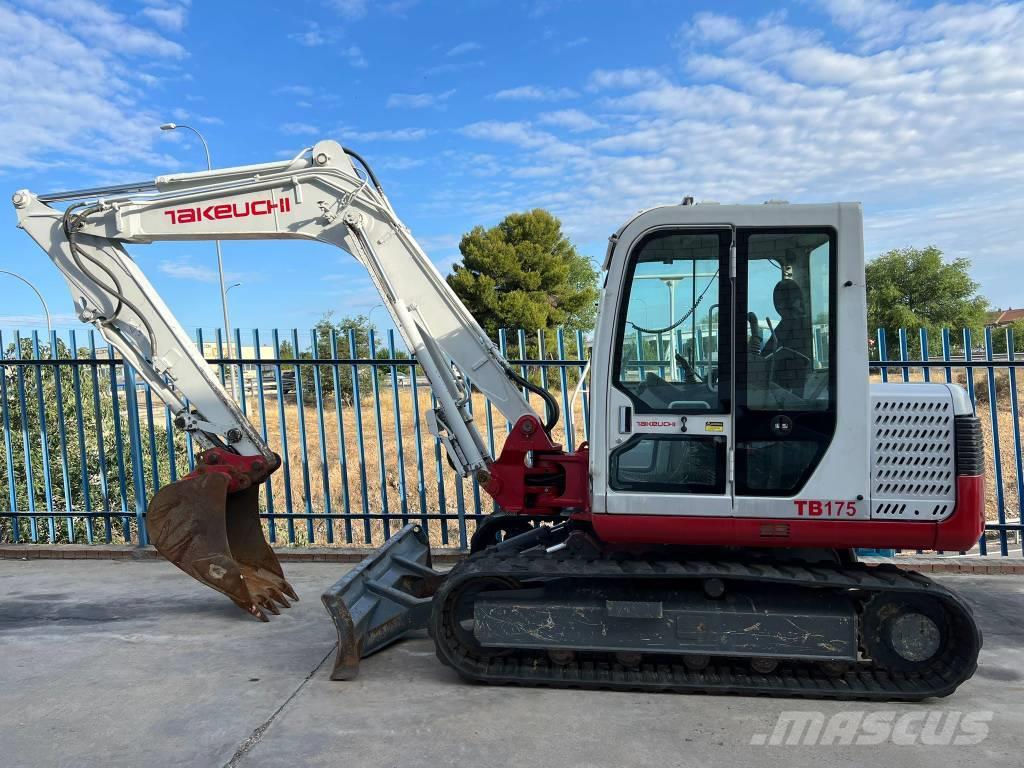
column 702, row 541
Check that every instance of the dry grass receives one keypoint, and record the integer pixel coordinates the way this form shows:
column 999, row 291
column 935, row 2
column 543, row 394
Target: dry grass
column 373, row 485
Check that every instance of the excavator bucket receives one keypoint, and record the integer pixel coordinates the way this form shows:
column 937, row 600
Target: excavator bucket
column 216, row 538
column 384, row 597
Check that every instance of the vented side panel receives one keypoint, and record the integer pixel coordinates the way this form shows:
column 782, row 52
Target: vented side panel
column 913, row 456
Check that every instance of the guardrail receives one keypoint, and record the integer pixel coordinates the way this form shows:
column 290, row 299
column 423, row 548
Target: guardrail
column 85, row 443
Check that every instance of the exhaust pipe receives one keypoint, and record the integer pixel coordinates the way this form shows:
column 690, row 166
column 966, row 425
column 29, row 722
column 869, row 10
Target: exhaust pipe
column 383, row 598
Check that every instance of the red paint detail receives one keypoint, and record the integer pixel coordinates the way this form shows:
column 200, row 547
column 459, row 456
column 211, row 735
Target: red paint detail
column 241, row 471
column 960, row 530
column 964, row 527
column 227, row 211
column 556, row 481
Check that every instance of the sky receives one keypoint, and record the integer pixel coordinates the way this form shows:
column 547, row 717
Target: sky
column 469, row 111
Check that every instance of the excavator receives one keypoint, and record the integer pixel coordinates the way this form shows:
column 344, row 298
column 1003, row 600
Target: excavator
column 702, row 541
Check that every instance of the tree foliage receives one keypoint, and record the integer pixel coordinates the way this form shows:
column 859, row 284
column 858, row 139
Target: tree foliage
column 525, row 273
column 917, row 288
column 999, row 337
column 95, row 473
column 343, row 338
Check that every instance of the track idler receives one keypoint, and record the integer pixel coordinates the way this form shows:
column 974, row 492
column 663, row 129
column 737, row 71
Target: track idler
column 208, row 525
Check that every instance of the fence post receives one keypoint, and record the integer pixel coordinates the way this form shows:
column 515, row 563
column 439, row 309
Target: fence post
column 300, row 407
column 283, row 426
column 1019, row 464
column 357, row 410
column 65, row 472
column 12, row 488
column 268, row 486
column 342, row 447
column 30, row 484
column 883, row 355
column 325, row 475
column 135, row 452
column 997, row 463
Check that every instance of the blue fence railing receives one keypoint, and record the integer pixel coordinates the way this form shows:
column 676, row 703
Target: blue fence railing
column 85, row 443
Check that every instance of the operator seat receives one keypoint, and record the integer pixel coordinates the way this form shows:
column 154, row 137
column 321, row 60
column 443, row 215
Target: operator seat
column 791, row 342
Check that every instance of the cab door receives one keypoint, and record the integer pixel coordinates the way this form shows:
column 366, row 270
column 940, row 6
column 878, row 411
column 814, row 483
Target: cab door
column 669, row 420
column 785, row 365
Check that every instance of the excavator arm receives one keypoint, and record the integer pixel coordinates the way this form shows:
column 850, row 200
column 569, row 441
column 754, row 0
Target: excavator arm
column 318, row 195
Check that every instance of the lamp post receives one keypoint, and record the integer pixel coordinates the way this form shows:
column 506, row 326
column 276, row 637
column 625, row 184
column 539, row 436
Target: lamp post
column 39, row 295
column 216, row 243
column 369, row 315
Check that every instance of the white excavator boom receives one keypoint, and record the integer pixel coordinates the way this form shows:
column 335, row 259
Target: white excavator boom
column 208, row 523
column 316, row 196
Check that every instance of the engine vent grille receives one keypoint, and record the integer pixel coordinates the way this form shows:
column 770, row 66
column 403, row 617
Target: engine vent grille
column 913, row 458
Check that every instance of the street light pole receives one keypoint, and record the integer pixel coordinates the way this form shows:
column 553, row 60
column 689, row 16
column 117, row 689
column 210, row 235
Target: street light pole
column 39, row 295
column 216, row 244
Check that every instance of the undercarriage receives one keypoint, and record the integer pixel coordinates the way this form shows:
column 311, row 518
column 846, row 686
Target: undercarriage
column 552, row 607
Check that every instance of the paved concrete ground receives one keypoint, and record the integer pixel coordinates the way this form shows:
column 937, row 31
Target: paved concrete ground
column 131, row 663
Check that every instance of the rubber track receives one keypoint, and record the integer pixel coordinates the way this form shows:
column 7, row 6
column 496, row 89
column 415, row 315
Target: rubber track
column 863, row 681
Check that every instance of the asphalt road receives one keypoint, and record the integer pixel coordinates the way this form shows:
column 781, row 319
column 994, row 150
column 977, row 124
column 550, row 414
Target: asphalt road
column 122, row 663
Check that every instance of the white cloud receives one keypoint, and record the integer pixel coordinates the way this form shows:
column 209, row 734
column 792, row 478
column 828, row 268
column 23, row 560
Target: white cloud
column 608, row 79
column 462, row 48
column 299, row 129
column 394, row 134
column 399, row 163
column 70, row 90
column 314, row 36
column 924, row 122
column 571, row 119
column 311, row 37
column 399, row 8
column 99, row 25
column 713, row 27
column 170, row 16
column 350, row 9
column 452, row 66
column 574, row 43
column 355, row 57
column 181, row 115
column 186, row 270
column 535, row 93
column 520, row 134
column 294, row 90
column 419, row 100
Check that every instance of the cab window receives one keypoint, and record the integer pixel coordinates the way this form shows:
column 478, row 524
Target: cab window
column 672, row 353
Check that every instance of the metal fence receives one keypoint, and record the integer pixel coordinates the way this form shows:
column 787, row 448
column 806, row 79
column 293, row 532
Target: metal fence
column 85, row 443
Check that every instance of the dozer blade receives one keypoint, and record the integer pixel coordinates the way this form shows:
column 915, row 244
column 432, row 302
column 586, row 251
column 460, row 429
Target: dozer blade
column 387, row 595
column 216, row 538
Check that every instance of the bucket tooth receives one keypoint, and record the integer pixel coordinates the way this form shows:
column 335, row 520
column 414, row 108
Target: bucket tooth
column 249, row 547
column 216, row 538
